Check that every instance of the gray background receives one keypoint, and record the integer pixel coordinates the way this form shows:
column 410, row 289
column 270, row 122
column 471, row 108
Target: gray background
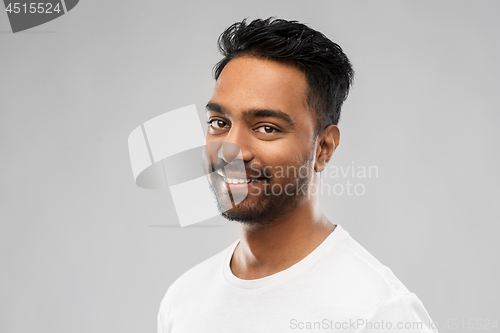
column 83, row 249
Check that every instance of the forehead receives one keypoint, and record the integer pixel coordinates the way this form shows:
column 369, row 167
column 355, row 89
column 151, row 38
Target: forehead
column 251, row 83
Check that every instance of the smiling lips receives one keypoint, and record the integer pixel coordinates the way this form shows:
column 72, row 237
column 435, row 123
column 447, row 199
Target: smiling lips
column 237, row 180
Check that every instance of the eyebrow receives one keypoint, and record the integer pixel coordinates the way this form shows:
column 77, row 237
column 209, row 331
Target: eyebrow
column 253, row 113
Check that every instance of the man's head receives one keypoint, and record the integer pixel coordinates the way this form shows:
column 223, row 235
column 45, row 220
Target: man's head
column 327, row 69
column 278, row 94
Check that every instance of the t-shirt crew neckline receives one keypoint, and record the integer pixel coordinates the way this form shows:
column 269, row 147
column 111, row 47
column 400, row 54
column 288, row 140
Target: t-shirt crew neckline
column 281, row 276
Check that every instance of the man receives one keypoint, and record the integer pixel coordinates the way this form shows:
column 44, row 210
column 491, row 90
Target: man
column 275, row 108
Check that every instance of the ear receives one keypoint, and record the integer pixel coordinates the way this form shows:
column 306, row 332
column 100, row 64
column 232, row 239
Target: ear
column 328, row 141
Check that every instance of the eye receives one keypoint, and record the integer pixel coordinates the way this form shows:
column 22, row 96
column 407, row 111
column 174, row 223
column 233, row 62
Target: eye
column 217, row 123
column 267, row 129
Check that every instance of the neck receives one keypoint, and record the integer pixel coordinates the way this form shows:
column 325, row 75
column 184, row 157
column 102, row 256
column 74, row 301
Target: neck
column 267, row 249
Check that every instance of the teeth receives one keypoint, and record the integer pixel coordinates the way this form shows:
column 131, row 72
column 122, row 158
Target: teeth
column 236, row 181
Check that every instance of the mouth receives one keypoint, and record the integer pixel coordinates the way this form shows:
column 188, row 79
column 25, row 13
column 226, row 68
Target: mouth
column 239, row 181
column 234, row 181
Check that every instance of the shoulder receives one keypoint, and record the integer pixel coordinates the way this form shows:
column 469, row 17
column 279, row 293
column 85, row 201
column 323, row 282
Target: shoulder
column 363, row 261
column 196, row 278
column 363, row 279
column 402, row 313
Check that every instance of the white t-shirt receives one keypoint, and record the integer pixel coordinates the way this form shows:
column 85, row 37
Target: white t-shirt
column 339, row 287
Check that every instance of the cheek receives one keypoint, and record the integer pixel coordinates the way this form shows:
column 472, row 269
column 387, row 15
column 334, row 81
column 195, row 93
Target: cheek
column 282, row 162
column 291, row 150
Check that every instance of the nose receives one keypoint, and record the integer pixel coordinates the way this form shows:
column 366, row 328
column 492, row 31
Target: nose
column 228, row 152
column 235, row 146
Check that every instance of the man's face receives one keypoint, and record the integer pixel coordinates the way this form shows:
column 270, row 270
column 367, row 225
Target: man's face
column 260, row 105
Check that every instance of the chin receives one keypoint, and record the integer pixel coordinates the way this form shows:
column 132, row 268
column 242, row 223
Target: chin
column 248, row 219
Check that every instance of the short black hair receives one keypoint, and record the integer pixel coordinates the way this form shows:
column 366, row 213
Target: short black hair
column 328, row 71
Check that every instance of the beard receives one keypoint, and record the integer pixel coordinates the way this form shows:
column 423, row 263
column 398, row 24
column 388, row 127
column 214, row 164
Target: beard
column 273, row 198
